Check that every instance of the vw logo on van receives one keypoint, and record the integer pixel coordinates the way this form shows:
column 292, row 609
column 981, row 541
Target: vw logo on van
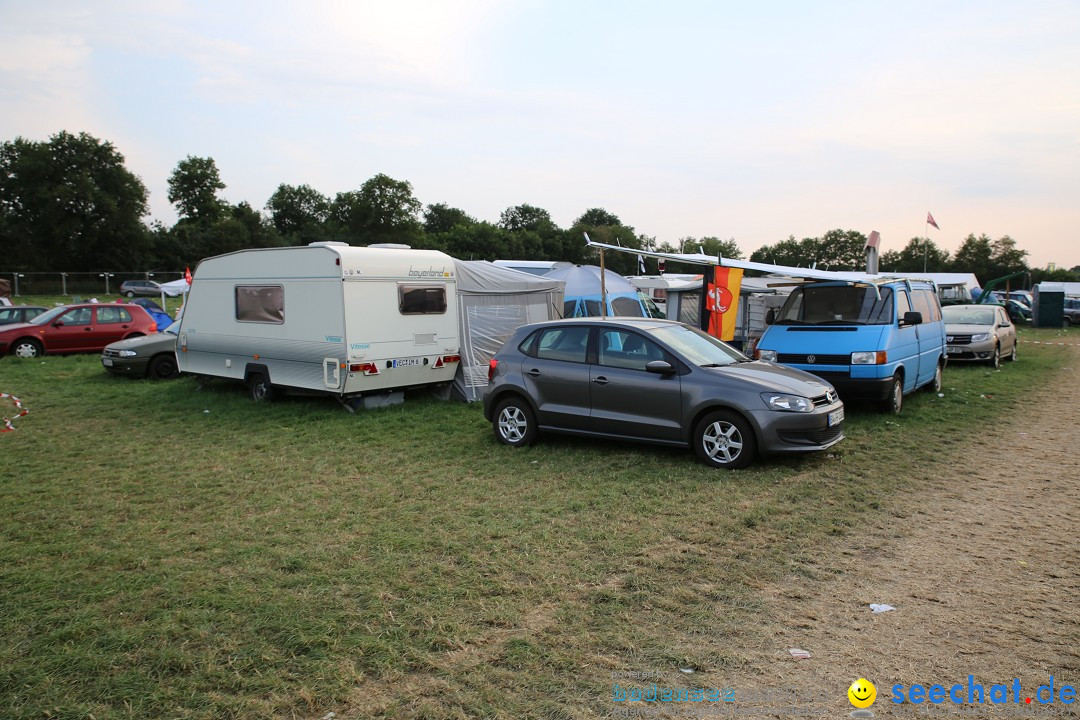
column 811, row 359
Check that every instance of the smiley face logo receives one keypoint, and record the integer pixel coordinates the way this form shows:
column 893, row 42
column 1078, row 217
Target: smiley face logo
column 862, row 693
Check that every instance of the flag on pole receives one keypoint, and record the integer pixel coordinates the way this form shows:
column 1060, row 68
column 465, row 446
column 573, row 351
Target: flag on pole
column 187, row 272
column 930, row 221
column 640, row 264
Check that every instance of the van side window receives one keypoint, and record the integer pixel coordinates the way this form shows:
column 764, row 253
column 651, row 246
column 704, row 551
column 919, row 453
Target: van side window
column 935, row 306
column 422, row 299
column 902, row 304
column 260, row 303
column 920, row 303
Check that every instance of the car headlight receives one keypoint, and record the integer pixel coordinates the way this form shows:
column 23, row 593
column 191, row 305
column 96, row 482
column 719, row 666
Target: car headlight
column 787, row 403
column 769, row 355
column 127, row 353
column 980, row 337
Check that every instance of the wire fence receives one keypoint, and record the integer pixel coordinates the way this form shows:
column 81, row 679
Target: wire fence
column 80, row 283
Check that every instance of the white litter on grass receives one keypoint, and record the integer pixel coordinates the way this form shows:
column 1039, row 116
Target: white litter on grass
column 206, row 411
column 799, row 654
column 880, row 607
column 687, row 671
column 941, row 394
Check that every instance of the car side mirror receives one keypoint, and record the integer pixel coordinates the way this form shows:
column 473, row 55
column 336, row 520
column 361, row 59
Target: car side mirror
column 660, row 367
column 912, row 317
column 770, row 316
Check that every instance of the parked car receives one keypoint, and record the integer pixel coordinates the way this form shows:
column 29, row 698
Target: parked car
column 74, row 329
column 979, row 333
column 152, row 356
column 1072, row 312
column 1018, row 312
column 131, row 288
column 20, row 313
column 656, row 381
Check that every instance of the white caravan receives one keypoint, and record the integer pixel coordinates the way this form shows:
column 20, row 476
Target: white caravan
column 327, row 318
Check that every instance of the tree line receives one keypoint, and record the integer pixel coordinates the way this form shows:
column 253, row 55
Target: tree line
column 69, row 203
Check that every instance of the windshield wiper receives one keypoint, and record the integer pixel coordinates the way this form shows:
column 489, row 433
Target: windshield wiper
column 842, row 322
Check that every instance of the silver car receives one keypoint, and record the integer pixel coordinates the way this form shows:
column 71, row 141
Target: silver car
column 979, row 333
column 656, row 381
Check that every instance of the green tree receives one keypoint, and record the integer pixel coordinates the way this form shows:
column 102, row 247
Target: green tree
column 791, row 252
column 919, row 255
column 193, row 189
column 597, row 217
column 70, row 203
column 441, row 218
column 1006, row 258
column 975, row 255
column 299, row 213
column 841, row 250
column 382, row 211
column 711, row 245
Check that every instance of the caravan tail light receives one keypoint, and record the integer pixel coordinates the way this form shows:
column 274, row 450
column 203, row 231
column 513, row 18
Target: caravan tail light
column 445, row 360
column 492, row 365
column 366, row 368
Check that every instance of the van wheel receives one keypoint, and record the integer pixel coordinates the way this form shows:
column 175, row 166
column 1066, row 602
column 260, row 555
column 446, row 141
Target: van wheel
column 514, row 423
column 27, row 348
column 995, row 359
column 261, row 389
column 163, row 367
column 894, row 403
column 724, row 440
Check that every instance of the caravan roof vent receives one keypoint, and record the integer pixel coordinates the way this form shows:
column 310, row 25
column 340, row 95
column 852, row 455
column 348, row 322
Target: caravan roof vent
column 328, row 243
column 391, row 246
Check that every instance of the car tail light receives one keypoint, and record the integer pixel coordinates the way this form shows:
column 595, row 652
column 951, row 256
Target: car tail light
column 493, row 364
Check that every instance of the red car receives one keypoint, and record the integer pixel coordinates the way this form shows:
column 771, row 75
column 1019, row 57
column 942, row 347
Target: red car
column 75, row 329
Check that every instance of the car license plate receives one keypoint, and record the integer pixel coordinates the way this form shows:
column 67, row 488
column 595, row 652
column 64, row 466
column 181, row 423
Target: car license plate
column 836, row 417
column 954, row 350
column 407, row 362
column 107, row 362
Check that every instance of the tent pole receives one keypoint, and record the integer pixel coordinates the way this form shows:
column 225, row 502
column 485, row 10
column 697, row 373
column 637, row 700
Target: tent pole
column 603, row 286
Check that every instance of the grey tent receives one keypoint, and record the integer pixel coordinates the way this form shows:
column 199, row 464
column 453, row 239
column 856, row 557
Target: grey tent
column 493, row 302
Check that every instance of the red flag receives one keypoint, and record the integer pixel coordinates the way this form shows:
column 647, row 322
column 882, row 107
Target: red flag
column 187, row 272
column 930, row 220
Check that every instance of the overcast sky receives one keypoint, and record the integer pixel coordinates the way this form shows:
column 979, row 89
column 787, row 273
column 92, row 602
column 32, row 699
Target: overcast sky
column 752, row 121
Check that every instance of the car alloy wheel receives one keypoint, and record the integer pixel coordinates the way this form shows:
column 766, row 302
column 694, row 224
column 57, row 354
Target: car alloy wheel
column 514, row 423
column 724, row 440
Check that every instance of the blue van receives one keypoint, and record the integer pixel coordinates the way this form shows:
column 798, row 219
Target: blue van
column 877, row 340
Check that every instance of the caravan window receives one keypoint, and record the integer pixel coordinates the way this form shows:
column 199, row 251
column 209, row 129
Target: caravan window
column 422, row 299
column 260, row 303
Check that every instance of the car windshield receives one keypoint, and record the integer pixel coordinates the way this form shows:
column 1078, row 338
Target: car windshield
column 968, row 315
column 49, row 315
column 698, row 347
column 837, row 305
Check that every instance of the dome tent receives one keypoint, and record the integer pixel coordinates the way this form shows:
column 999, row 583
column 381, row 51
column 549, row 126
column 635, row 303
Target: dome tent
column 582, row 293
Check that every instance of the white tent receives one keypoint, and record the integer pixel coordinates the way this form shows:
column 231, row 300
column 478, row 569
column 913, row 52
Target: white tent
column 493, row 302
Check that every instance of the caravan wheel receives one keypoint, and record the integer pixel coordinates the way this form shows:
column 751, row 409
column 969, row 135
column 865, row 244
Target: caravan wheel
column 261, row 389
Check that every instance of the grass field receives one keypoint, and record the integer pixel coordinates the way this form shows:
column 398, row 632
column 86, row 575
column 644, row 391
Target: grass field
column 171, row 551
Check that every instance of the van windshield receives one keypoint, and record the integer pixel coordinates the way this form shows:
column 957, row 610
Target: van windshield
column 837, row 305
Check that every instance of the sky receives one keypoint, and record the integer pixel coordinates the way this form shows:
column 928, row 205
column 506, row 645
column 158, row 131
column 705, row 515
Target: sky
column 751, row 121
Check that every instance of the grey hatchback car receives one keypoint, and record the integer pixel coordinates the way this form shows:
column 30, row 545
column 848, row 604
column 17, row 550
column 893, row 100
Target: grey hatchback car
column 656, row 381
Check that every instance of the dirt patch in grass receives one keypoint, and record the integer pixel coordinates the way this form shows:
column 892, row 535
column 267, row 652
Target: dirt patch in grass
column 980, row 564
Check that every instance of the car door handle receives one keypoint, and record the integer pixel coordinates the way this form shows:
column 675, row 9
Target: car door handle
column 533, row 373
column 600, row 380
column 86, row 329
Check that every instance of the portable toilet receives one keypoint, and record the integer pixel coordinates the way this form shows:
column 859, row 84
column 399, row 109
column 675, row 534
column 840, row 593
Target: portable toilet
column 1048, row 308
